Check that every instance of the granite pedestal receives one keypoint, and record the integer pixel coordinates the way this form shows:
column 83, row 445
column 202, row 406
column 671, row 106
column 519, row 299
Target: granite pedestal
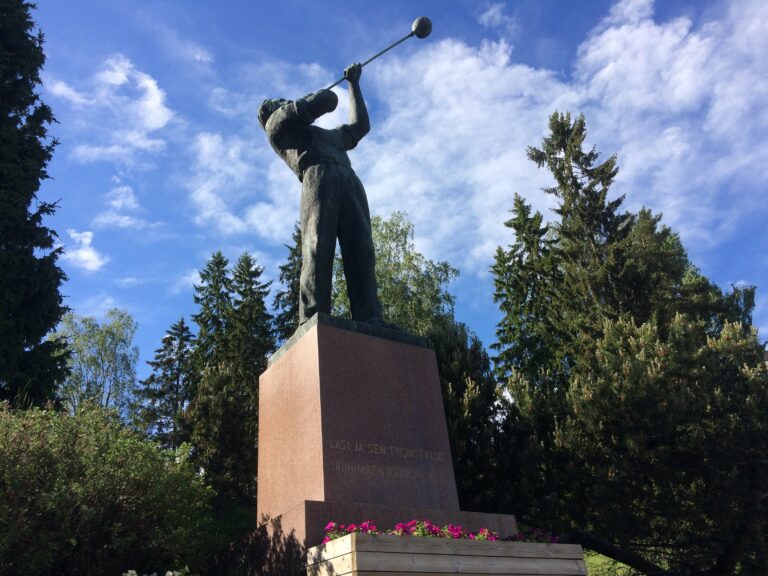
column 352, row 428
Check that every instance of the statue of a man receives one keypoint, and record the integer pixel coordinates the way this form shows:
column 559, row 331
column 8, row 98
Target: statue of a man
column 333, row 201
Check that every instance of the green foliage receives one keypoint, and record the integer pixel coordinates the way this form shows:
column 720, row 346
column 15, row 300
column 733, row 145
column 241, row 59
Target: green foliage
column 101, row 361
column 633, row 385
column 286, row 302
column 470, row 401
column 671, row 434
column 234, row 340
column 30, row 302
column 165, row 395
column 412, row 288
column 83, row 494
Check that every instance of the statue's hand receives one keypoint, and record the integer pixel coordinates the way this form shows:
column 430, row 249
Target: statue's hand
column 352, row 72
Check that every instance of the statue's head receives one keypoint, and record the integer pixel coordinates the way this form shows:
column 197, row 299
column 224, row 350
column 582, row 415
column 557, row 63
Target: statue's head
column 268, row 107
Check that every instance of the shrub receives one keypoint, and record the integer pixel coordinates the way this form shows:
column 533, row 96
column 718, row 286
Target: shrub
column 85, row 495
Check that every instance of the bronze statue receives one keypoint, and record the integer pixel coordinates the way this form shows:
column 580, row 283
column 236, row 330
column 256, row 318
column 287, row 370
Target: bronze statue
column 333, row 200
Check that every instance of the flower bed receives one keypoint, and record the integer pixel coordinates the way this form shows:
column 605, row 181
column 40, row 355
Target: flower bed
column 412, row 528
column 429, row 529
column 362, row 553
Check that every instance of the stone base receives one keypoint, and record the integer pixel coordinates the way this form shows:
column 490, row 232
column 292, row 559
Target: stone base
column 352, row 428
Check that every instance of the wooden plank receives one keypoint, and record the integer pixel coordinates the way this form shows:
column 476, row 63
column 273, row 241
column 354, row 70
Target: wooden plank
column 425, row 545
column 332, row 549
column 367, row 573
column 338, row 566
column 386, row 555
column 454, row 564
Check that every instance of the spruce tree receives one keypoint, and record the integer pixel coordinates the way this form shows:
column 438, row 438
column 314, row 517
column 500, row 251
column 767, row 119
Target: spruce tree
column 286, row 302
column 251, row 341
column 165, row 395
column 525, row 276
column 30, row 302
column 214, row 297
column 206, row 410
column 235, row 338
column 626, row 381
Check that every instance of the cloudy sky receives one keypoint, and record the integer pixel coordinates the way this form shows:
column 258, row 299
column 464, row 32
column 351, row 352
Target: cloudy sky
column 162, row 160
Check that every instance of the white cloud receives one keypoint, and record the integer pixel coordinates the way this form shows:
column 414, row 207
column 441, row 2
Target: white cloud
column 629, row 12
column 122, row 207
column 96, row 306
column 64, row 90
column 122, row 198
column 495, row 17
column 681, row 103
column 684, row 107
column 120, row 113
column 128, row 281
column 179, row 47
column 185, row 282
column 83, row 254
column 226, row 178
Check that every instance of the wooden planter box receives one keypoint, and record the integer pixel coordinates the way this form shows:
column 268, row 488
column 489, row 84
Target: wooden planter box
column 369, row 555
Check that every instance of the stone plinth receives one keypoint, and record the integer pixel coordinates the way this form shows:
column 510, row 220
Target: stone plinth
column 352, row 428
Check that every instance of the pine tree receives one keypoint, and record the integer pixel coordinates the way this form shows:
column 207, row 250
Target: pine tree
column 30, row 302
column 286, row 302
column 165, row 395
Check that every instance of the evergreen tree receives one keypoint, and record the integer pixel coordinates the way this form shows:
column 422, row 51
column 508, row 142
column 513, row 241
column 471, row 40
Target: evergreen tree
column 251, row 342
column 30, row 302
column 286, row 302
column 470, row 402
column 165, row 395
column 214, row 297
column 213, row 376
column 525, row 277
column 234, row 340
column 615, row 352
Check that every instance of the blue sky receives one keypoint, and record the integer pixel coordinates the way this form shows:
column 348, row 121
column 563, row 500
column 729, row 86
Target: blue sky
column 162, row 161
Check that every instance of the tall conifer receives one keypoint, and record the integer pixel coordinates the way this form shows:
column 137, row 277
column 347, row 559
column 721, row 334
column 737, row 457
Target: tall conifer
column 286, row 302
column 165, row 395
column 30, row 302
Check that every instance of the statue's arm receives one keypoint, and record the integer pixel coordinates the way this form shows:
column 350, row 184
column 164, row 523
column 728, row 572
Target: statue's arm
column 359, row 125
column 302, row 112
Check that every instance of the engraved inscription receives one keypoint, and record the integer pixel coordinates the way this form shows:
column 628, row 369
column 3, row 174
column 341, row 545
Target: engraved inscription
column 389, row 471
column 381, row 449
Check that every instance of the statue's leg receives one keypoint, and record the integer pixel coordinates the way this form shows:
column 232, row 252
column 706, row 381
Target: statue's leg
column 319, row 221
column 357, row 251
